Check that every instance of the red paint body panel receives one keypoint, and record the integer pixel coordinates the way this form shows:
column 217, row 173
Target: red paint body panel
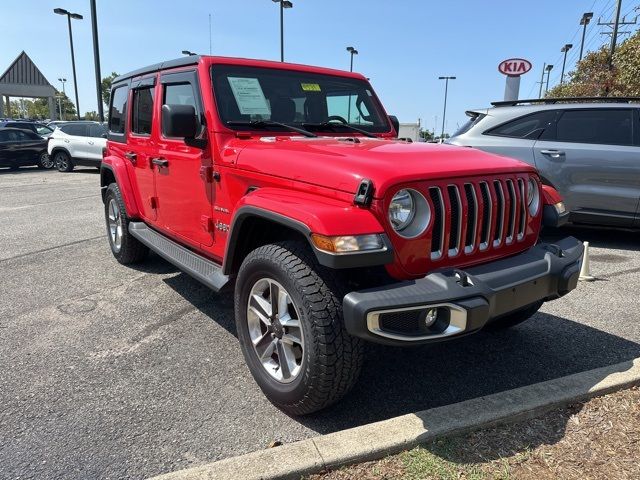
column 550, row 195
column 310, row 180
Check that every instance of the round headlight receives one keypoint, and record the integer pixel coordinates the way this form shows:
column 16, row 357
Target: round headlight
column 533, row 197
column 401, row 210
column 409, row 213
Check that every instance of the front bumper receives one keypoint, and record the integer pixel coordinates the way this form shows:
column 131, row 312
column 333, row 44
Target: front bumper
column 466, row 300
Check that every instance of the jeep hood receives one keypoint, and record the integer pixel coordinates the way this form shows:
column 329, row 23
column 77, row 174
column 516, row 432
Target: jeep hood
column 342, row 162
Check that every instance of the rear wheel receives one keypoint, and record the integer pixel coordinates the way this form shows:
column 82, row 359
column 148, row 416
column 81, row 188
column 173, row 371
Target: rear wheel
column 62, row 161
column 45, row 161
column 125, row 247
column 515, row 318
column 289, row 321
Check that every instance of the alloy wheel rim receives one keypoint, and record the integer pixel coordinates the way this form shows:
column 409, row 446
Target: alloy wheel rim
column 115, row 224
column 45, row 160
column 275, row 330
column 62, row 161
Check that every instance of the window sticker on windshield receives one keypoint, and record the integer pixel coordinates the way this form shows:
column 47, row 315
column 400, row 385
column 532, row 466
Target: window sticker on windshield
column 249, row 96
column 310, row 87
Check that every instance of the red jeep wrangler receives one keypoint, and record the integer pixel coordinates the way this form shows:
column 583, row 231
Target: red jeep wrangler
column 287, row 182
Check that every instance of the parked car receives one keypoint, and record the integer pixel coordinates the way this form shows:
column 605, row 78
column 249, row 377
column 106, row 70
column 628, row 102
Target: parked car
column 77, row 143
column 39, row 128
column 588, row 149
column 19, row 147
column 287, row 181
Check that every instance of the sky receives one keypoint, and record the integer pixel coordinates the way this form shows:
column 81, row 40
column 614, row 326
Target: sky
column 404, row 45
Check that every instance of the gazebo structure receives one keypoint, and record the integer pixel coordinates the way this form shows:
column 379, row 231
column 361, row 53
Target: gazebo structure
column 24, row 79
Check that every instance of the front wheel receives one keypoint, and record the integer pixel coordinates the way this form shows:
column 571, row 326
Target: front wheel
column 288, row 312
column 63, row 162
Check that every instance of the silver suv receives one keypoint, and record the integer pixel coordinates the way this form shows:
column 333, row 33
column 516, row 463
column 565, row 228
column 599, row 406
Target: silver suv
column 588, row 149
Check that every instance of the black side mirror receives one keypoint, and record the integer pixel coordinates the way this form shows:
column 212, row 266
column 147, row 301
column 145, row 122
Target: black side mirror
column 395, row 123
column 179, row 121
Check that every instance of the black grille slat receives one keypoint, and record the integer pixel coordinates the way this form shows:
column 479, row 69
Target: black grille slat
column 403, row 322
column 486, row 214
column 455, row 214
column 511, row 213
column 472, row 216
column 497, row 236
column 436, row 235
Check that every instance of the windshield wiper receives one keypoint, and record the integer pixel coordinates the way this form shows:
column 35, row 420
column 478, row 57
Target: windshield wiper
column 341, row 124
column 270, row 123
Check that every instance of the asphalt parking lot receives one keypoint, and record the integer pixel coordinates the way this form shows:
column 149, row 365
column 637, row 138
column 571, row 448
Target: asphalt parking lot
column 113, row 372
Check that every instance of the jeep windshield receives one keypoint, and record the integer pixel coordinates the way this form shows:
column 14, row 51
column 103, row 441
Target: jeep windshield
column 274, row 100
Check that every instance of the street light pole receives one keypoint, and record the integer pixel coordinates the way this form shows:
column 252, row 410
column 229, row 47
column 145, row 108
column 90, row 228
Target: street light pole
column 564, row 50
column 446, row 91
column 283, row 4
column 62, row 80
column 549, row 68
column 353, row 52
column 96, row 58
column 77, row 16
column 584, row 21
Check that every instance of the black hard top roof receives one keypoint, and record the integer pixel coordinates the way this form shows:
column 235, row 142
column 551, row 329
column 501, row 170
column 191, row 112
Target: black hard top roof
column 156, row 67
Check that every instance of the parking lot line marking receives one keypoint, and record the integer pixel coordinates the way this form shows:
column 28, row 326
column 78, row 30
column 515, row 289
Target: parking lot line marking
column 44, row 250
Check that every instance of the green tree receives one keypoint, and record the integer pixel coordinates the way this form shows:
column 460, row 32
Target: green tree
column 106, row 87
column 593, row 78
column 91, row 116
column 68, row 108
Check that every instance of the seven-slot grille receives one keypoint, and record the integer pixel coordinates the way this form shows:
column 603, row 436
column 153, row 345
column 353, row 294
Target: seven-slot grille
column 477, row 215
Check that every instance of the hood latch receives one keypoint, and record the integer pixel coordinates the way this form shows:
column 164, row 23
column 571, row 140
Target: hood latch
column 364, row 195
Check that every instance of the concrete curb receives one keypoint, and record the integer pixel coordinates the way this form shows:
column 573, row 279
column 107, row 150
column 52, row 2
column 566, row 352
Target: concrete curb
column 376, row 440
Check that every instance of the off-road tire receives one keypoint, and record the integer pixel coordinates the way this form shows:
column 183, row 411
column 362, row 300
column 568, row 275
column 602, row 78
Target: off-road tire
column 131, row 249
column 62, row 161
column 515, row 318
column 332, row 358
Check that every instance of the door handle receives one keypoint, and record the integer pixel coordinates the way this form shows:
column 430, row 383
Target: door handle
column 553, row 153
column 161, row 162
column 90, row 143
column 131, row 156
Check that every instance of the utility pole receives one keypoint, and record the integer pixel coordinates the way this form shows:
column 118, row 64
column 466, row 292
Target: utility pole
column 584, row 21
column 96, row 58
column 446, row 91
column 614, row 34
column 544, row 66
column 564, row 50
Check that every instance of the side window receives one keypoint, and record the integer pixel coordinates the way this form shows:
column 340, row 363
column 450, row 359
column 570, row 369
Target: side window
column 180, row 94
column 526, row 126
column 118, row 110
column 600, row 126
column 97, row 130
column 4, row 136
column 142, row 110
column 22, row 136
column 76, row 129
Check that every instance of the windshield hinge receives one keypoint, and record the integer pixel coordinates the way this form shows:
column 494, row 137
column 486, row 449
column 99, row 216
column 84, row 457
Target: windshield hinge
column 364, row 195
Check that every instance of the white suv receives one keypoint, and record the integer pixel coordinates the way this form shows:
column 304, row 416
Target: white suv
column 77, row 143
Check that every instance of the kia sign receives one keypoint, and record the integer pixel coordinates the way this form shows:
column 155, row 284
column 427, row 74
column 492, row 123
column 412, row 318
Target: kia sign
column 514, row 67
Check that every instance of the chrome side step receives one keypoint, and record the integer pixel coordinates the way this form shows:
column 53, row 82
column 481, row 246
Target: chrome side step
column 200, row 268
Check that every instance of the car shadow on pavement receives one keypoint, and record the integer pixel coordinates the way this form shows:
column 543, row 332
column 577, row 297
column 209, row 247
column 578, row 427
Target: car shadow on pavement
column 398, row 381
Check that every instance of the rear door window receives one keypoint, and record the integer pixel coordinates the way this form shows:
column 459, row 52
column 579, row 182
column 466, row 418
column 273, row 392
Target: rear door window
column 528, row 126
column 76, row 129
column 142, row 110
column 97, row 130
column 597, row 126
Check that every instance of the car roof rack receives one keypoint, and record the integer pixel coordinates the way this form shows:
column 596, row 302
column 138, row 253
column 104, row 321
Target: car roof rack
column 551, row 101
